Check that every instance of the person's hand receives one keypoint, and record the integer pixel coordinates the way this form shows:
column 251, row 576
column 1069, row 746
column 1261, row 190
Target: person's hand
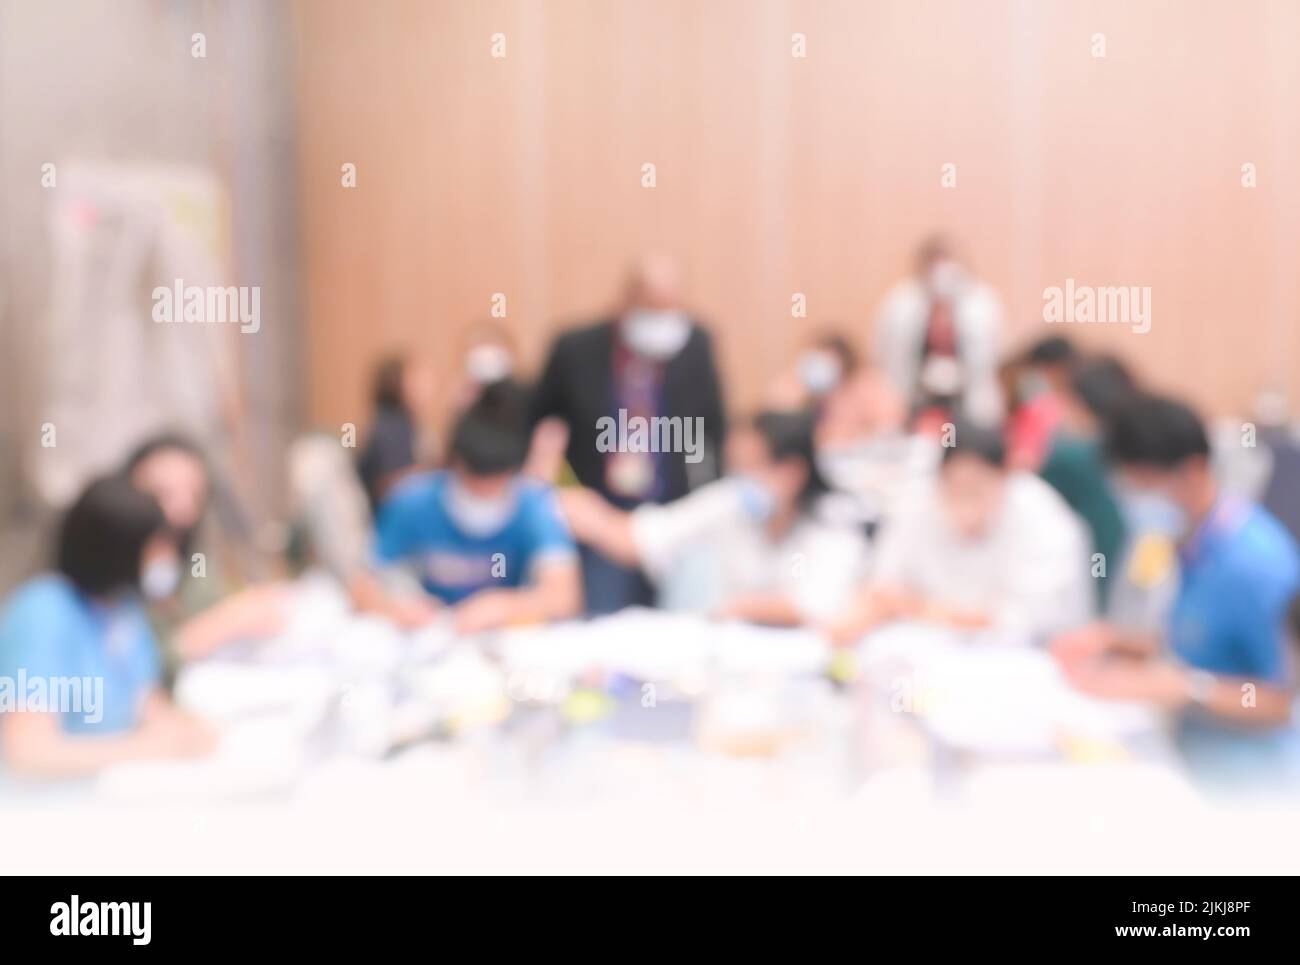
column 1087, row 643
column 175, row 734
column 1157, row 682
column 485, row 610
column 263, row 611
column 862, row 616
column 896, row 603
column 413, row 612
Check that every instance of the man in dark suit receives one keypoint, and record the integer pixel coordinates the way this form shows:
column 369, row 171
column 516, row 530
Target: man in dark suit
column 651, row 361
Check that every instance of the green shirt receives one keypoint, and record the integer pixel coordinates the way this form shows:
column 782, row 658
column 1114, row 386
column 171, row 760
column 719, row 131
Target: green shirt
column 1074, row 468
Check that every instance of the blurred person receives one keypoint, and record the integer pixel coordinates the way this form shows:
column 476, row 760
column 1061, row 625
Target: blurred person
column 750, row 546
column 938, row 337
column 980, row 547
column 398, row 442
column 490, row 359
column 1039, row 378
column 484, row 540
column 1221, row 664
column 487, row 358
column 852, row 399
column 651, row 360
column 862, row 443
column 85, row 622
column 1075, row 464
column 210, row 607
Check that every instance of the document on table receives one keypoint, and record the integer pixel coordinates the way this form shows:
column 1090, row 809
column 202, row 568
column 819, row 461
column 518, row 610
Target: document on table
column 982, row 697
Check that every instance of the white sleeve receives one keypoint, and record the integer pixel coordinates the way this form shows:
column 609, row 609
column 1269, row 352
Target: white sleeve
column 902, row 536
column 826, row 581
column 1047, row 588
column 662, row 532
column 982, row 348
column 898, row 337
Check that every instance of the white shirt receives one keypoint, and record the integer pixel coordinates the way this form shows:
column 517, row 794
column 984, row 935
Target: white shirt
column 706, row 548
column 1030, row 571
column 977, row 317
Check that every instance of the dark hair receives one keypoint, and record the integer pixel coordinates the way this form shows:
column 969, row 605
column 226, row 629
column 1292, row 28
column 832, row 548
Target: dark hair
column 507, row 399
column 386, row 390
column 163, row 442
column 986, row 445
column 791, row 435
column 103, row 534
column 1102, row 383
column 491, row 437
column 840, row 346
column 1054, row 350
column 1151, row 430
column 171, row 442
column 932, row 248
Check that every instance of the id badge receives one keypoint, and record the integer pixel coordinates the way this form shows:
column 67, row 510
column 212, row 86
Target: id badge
column 629, row 474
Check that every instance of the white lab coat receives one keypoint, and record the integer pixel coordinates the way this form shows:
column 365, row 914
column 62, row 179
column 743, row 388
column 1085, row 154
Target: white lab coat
column 978, row 317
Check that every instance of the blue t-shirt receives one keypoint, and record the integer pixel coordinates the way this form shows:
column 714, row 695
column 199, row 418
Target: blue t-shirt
column 93, row 662
column 416, row 526
column 1238, row 573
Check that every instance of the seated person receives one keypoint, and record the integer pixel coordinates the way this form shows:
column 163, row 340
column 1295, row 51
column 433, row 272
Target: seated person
column 1035, row 382
column 853, row 401
column 1222, row 663
column 81, row 632
column 488, row 357
column 979, row 547
column 398, row 444
column 1075, row 466
column 768, row 557
column 208, row 609
column 483, row 538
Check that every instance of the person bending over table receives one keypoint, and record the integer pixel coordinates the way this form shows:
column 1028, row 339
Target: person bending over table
column 751, row 546
column 1222, row 665
column 978, row 548
column 76, row 645
column 208, row 611
column 485, row 540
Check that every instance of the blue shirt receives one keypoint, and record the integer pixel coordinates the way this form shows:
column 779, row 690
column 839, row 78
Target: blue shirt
column 101, row 657
column 415, row 525
column 1238, row 572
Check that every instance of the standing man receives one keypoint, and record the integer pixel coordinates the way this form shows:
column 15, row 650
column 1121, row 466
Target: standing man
column 938, row 337
column 650, row 360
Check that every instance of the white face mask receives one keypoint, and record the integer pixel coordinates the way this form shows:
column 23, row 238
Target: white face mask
column 819, row 371
column 657, row 335
column 488, row 363
column 944, row 279
column 160, row 579
column 475, row 515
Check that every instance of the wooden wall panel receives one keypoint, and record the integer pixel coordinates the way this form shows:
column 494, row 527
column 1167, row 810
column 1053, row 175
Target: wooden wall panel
column 775, row 174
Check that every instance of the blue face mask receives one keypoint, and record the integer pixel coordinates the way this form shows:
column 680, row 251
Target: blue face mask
column 757, row 499
column 1149, row 512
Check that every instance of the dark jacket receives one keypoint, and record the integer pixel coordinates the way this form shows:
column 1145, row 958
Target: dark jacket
column 577, row 385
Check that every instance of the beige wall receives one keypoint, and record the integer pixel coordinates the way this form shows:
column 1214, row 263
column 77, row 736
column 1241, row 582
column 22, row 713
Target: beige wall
column 817, row 175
